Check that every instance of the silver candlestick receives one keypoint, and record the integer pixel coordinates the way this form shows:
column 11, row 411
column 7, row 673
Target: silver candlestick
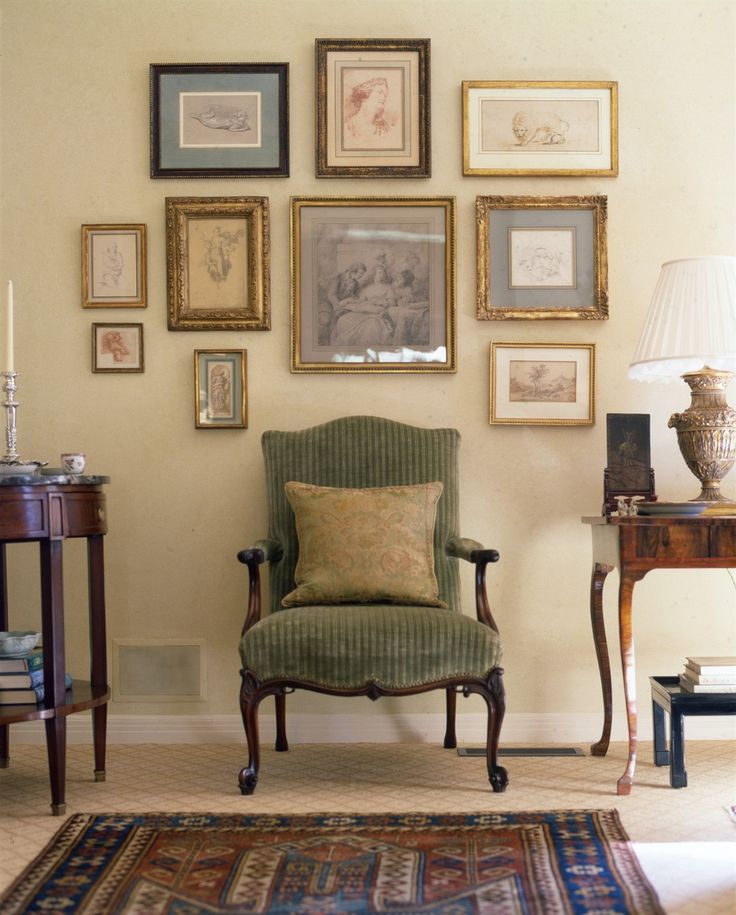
column 10, row 462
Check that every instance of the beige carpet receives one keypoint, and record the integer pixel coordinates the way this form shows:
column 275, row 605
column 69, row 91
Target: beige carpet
column 685, row 838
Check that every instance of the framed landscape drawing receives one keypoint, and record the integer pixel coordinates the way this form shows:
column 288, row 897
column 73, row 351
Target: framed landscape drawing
column 114, row 266
column 373, row 284
column 220, row 390
column 541, row 257
column 117, row 347
column 219, row 120
column 217, row 263
column 373, row 108
column 550, row 384
column 540, row 128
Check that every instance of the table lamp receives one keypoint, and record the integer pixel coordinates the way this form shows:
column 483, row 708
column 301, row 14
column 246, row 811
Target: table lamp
column 690, row 331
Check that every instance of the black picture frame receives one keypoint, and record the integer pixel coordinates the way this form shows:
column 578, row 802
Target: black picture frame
column 241, row 112
column 628, row 457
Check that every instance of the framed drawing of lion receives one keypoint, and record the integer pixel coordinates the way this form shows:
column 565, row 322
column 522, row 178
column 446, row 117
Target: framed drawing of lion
column 540, row 128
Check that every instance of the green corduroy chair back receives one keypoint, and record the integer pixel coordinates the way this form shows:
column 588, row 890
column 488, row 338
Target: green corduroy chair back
column 358, row 452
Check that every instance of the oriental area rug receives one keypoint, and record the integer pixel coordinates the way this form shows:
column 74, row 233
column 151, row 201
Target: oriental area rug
column 554, row 863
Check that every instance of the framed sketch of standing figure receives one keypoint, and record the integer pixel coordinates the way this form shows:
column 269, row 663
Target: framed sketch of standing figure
column 540, row 128
column 217, row 263
column 114, row 266
column 373, row 284
column 373, row 108
column 220, row 392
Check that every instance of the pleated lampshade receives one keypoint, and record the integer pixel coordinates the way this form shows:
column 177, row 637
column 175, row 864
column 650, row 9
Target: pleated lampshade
column 691, row 321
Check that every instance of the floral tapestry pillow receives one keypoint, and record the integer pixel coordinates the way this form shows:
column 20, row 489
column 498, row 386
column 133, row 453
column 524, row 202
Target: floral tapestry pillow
column 360, row 545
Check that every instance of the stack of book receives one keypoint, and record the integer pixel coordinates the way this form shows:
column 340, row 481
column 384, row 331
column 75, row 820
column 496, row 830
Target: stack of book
column 21, row 679
column 709, row 675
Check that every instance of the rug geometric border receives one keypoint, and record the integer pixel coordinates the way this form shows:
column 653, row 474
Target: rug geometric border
column 566, row 862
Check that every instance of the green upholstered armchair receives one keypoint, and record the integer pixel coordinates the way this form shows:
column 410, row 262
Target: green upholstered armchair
column 364, row 584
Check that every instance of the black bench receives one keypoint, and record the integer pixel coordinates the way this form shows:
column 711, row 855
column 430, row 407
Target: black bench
column 667, row 696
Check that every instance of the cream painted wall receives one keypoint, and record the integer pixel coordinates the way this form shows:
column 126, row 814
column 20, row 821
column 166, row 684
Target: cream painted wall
column 74, row 146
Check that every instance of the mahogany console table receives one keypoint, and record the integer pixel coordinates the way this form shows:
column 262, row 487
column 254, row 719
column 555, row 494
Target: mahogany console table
column 635, row 546
column 47, row 510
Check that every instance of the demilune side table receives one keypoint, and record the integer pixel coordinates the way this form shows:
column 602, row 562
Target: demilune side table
column 48, row 510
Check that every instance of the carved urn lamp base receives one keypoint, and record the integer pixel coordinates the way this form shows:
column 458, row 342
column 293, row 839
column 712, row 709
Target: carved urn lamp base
column 706, row 431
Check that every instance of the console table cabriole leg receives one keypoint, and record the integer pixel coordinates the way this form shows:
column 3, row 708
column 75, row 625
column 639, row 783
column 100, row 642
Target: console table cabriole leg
column 98, row 647
column 597, row 580
column 628, row 664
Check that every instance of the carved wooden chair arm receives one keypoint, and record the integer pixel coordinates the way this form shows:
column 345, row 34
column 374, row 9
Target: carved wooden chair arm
column 475, row 552
column 261, row 551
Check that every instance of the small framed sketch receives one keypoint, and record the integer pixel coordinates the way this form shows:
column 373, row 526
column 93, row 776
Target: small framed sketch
column 373, row 284
column 117, row 347
column 549, row 384
column 217, row 263
column 114, row 266
column 541, row 257
column 219, row 120
column 373, row 108
column 540, row 128
column 220, row 390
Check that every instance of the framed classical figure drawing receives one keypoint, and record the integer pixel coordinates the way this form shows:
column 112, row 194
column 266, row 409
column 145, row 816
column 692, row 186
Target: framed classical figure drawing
column 548, row 384
column 117, row 348
column 540, row 128
column 217, row 263
column 373, row 108
column 114, row 266
column 219, row 120
column 373, row 284
column 220, row 389
column 541, row 257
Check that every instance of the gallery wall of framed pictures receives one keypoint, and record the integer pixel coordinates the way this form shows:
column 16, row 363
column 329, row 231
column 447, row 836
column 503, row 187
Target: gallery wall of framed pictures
column 372, row 278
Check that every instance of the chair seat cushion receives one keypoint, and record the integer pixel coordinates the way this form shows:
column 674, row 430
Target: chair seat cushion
column 349, row 646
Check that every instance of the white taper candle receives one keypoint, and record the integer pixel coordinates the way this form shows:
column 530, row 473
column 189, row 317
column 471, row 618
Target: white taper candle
column 8, row 365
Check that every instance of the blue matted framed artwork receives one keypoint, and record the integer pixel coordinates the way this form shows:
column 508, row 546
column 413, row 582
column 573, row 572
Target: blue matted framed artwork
column 219, row 120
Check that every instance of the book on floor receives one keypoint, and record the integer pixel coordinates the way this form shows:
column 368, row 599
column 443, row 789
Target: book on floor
column 29, row 696
column 714, row 665
column 691, row 687
column 32, row 661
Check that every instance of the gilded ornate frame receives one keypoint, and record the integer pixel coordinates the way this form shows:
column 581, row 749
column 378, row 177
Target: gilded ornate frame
column 578, row 222
column 215, row 282
column 403, row 66
column 410, row 241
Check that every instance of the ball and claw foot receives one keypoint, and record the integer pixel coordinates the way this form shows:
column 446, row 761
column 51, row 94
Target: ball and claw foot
column 247, row 781
column 499, row 779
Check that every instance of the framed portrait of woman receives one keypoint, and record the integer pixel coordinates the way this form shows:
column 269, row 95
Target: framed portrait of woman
column 373, row 108
column 373, row 284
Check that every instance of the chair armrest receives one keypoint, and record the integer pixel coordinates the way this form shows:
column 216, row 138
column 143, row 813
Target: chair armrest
column 253, row 557
column 261, row 551
column 472, row 551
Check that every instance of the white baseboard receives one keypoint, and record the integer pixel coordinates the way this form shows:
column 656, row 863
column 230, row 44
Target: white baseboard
column 521, row 728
